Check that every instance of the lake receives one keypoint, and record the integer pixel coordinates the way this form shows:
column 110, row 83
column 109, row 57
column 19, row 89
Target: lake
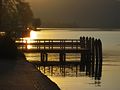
column 111, row 58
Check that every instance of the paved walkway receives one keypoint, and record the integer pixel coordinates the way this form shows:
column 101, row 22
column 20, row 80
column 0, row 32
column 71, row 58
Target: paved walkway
column 21, row 75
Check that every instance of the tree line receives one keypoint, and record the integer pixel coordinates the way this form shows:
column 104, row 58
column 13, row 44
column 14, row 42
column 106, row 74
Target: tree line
column 16, row 15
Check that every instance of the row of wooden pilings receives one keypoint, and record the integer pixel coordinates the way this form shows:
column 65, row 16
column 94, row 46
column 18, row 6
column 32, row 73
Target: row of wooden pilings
column 92, row 60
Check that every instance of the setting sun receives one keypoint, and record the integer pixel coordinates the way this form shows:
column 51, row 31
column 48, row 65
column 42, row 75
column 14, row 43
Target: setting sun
column 32, row 34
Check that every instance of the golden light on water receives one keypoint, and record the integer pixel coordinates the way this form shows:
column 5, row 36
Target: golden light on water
column 29, row 46
column 28, row 39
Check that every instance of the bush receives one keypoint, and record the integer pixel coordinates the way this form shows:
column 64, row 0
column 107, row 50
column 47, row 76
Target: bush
column 8, row 49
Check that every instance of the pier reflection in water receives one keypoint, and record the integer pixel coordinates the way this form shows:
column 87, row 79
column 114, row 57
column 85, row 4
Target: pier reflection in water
column 67, row 71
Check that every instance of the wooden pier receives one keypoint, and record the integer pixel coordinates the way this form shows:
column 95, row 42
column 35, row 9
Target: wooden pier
column 90, row 50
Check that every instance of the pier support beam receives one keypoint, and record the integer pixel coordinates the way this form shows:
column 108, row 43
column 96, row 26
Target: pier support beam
column 44, row 57
column 62, row 57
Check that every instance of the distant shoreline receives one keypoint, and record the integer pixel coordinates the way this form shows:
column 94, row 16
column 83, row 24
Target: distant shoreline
column 80, row 29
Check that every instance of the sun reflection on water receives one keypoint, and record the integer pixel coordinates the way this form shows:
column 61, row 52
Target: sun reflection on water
column 28, row 40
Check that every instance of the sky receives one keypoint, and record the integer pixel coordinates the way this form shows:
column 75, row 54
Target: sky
column 77, row 13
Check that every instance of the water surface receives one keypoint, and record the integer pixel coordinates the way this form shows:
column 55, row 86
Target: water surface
column 111, row 58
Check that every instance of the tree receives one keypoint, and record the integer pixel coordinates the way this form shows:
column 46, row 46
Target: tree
column 25, row 14
column 15, row 14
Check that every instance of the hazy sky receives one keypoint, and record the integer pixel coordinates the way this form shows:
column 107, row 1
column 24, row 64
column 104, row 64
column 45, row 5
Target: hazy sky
column 82, row 13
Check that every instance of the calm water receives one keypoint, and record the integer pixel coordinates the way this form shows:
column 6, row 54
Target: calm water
column 111, row 55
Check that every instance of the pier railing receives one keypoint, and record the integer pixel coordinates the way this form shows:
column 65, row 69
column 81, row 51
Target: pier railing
column 90, row 50
column 48, row 44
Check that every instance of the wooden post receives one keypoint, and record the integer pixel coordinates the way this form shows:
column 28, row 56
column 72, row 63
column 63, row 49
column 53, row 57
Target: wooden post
column 44, row 44
column 76, row 44
column 82, row 62
column 64, row 73
column 96, row 53
column 49, row 44
column 76, row 70
column 100, row 59
column 46, row 57
column 51, row 70
column 39, row 45
column 52, row 44
column 72, row 44
column 93, row 57
column 42, row 57
column 26, row 44
column 87, row 55
column 62, row 57
column 22, row 44
column 64, row 44
column 88, row 62
column 61, row 44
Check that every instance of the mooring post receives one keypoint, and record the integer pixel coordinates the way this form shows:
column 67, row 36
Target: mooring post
column 82, row 62
column 100, row 58
column 88, row 62
column 97, row 60
column 87, row 55
column 93, row 57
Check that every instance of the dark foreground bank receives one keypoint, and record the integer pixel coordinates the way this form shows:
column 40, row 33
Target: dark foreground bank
column 18, row 74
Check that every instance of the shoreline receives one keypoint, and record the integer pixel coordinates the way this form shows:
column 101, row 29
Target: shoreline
column 21, row 74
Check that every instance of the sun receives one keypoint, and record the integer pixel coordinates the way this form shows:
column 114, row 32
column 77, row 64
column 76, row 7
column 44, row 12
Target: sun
column 32, row 35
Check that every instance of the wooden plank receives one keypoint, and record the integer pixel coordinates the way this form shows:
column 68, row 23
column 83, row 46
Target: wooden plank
column 55, row 50
column 54, row 63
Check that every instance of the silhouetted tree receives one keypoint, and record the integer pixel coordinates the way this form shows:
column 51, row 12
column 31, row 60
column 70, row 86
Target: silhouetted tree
column 14, row 15
column 25, row 14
